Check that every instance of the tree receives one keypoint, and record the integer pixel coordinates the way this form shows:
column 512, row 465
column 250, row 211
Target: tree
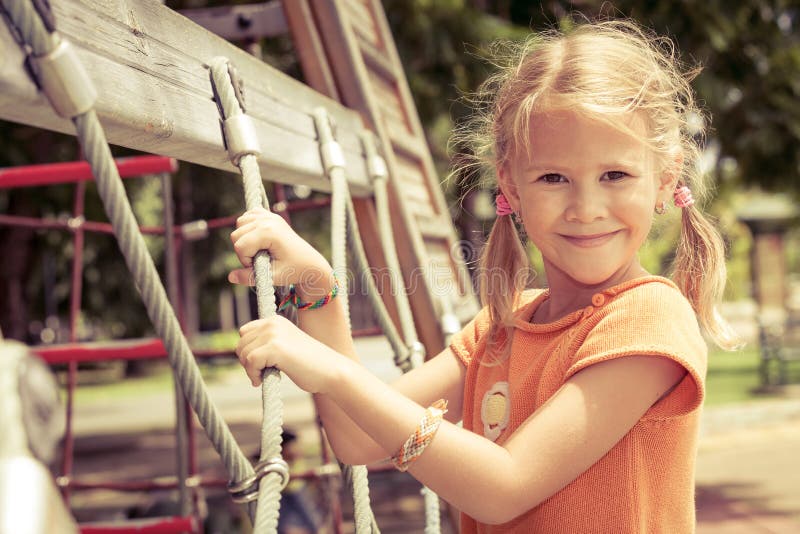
column 750, row 51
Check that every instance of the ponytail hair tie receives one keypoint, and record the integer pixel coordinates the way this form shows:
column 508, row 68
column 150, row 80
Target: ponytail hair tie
column 502, row 207
column 683, row 197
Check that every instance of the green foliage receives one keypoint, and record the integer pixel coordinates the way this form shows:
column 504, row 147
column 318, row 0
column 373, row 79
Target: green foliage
column 733, row 377
column 750, row 85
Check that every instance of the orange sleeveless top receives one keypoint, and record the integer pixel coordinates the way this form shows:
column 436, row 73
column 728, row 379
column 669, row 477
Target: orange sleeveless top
column 645, row 483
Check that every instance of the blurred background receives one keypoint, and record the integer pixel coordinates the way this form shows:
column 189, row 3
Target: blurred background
column 750, row 87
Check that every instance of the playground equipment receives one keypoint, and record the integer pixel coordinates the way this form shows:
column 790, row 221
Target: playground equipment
column 162, row 83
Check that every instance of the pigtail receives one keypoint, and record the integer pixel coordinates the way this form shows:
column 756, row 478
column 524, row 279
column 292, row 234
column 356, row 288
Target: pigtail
column 502, row 276
column 700, row 273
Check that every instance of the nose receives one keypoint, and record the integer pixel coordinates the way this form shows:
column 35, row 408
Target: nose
column 586, row 204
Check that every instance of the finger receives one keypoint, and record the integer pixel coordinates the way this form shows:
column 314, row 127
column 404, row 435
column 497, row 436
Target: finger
column 250, row 243
column 242, row 276
column 257, row 360
column 244, row 228
column 255, row 325
column 251, row 215
column 249, row 345
column 249, row 359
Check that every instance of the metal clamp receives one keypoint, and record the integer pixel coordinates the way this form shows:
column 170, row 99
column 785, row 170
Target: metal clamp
column 76, row 223
column 376, row 165
column 240, row 137
column 194, row 230
column 330, row 150
column 247, row 490
column 64, row 80
column 402, row 360
column 450, row 324
column 417, row 350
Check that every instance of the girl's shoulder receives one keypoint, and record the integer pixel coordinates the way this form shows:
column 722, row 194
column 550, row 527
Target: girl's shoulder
column 646, row 305
column 655, row 294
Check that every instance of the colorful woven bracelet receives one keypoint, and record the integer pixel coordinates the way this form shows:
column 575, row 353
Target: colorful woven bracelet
column 293, row 299
column 422, row 436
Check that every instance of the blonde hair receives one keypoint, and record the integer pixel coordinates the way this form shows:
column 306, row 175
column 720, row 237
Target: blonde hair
column 601, row 69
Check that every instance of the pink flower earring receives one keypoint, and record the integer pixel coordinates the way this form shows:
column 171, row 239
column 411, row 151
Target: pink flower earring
column 683, row 197
column 502, row 207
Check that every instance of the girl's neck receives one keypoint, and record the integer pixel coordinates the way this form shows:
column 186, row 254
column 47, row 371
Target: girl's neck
column 567, row 295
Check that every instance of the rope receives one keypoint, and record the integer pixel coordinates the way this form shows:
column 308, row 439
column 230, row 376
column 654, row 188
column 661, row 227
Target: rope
column 402, row 356
column 380, row 182
column 380, row 176
column 229, row 99
column 433, row 522
column 145, row 275
column 132, row 245
column 355, row 476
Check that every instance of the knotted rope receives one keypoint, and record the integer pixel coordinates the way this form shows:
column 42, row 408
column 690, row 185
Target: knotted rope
column 333, row 162
column 243, row 149
column 380, row 177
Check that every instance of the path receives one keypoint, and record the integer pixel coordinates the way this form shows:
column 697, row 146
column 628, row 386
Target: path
column 747, row 476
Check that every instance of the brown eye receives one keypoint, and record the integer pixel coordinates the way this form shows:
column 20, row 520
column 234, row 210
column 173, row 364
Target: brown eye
column 552, row 178
column 614, row 176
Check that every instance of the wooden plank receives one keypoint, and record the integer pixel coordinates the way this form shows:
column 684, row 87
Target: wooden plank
column 408, row 146
column 316, row 66
column 150, row 67
column 371, row 80
column 309, row 47
column 388, row 101
column 238, row 23
column 362, row 21
column 376, row 60
column 404, row 94
column 416, row 128
column 352, row 79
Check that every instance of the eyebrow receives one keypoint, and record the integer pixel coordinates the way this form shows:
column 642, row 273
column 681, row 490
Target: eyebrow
column 559, row 168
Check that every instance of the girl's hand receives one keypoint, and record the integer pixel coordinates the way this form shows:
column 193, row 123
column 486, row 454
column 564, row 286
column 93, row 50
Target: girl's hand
column 294, row 261
column 276, row 342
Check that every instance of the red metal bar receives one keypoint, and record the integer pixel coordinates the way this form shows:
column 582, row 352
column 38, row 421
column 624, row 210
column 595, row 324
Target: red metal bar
column 76, row 291
column 221, row 222
column 308, row 204
column 171, row 482
column 164, row 525
column 71, row 224
column 135, row 349
column 76, row 171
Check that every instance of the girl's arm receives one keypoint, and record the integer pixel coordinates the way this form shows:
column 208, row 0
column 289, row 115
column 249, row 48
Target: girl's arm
column 493, row 483
column 440, row 377
column 294, row 261
column 489, row 482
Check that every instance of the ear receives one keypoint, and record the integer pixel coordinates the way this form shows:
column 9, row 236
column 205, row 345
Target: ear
column 508, row 187
column 669, row 177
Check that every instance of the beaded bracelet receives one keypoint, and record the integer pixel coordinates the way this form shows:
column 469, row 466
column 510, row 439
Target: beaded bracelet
column 422, row 436
column 293, row 299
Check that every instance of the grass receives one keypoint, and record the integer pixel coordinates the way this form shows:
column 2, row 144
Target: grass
column 733, row 377
column 157, row 380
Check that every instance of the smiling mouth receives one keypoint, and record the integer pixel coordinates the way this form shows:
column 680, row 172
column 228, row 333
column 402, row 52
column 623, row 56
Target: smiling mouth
column 589, row 241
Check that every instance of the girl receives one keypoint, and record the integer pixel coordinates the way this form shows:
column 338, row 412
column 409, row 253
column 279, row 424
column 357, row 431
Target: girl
column 580, row 403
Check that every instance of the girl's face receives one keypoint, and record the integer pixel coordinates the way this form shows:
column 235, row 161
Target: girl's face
column 586, row 193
